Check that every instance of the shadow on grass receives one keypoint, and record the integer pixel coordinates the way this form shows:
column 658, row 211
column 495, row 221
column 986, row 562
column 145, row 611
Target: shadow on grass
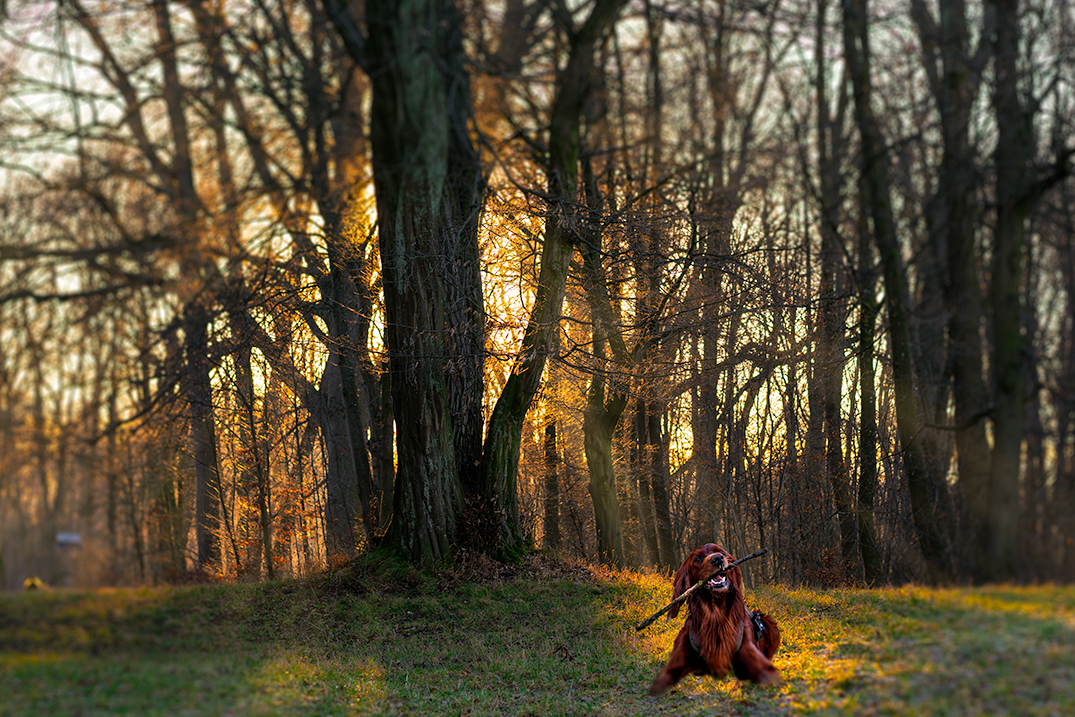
column 532, row 645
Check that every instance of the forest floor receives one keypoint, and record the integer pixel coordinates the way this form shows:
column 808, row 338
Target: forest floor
column 541, row 638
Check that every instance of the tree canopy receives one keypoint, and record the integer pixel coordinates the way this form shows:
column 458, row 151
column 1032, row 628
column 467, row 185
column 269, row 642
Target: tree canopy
column 283, row 281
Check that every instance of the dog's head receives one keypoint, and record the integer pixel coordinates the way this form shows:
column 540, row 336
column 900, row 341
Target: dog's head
column 704, row 563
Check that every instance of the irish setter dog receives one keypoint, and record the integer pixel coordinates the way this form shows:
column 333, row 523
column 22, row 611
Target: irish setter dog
column 719, row 632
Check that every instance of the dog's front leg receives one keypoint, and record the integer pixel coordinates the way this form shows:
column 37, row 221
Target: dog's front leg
column 682, row 662
column 751, row 664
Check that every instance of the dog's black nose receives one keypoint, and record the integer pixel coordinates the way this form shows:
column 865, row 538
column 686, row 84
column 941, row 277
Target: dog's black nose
column 718, row 560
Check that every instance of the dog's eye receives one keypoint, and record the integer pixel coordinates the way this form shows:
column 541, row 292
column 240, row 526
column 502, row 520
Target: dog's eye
column 698, row 559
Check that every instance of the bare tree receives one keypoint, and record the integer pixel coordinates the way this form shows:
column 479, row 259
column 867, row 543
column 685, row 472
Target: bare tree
column 875, row 175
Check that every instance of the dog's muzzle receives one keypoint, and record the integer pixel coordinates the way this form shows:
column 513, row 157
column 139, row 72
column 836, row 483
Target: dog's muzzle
column 717, row 582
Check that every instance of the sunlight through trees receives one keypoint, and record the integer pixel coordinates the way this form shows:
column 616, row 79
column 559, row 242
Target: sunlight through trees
column 283, row 282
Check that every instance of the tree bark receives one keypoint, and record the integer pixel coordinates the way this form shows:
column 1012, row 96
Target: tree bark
column 203, row 443
column 921, row 484
column 410, row 139
column 599, row 423
column 642, row 467
column 341, row 486
column 1012, row 158
column 603, row 414
column 867, row 448
column 500, row 455
column 464, row 303
column 341, row 316
column 552, row 488
column 387, row 464
column 720, row 207
column 830, row 157
column 657, row 450
column 1059, row 512
column 955, row 88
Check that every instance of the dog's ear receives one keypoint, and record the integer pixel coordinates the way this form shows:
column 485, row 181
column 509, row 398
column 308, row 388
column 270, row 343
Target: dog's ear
column 681, row 585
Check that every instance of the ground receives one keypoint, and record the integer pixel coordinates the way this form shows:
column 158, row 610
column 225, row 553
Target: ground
column 540, row 638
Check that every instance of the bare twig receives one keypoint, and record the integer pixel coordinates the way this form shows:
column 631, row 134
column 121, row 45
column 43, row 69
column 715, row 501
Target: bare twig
column 650, row 620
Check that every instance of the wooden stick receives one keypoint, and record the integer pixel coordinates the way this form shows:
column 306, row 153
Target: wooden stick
column 652, row 618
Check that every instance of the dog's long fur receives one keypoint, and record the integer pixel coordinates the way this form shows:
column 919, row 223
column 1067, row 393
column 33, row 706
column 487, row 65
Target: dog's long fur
column 709, row 642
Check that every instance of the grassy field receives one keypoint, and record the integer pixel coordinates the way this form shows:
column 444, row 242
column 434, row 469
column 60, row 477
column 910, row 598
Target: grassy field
column 538, row 639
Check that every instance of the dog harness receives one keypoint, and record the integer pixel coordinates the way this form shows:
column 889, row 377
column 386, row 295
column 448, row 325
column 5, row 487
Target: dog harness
column 755, row 622
column 759, row 624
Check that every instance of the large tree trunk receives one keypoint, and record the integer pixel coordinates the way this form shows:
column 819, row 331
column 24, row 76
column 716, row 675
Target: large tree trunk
column 337, row 175
column 1033, row 530
column 1013, row 157
column 867, row 449
column 341, row 487
column 598, row 425
column 707, row 524
column 247, row 466
column 203, row 444
column 652, row 465
column 602, row 415
column 464, row 304
column 642, row 469
column 719, row 207
column 500, row 456
column 657, row 447
column 386, row 449
column 386, row 478
column 410, row 139
column 340, row 311
column 1059, row 512
column 198, row 297
column 552, row 488
column 922, row 486
column 830, row 157
column 955, row 89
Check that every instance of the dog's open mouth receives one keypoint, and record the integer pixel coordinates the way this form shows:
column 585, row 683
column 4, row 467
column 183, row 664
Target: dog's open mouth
column 717, row 583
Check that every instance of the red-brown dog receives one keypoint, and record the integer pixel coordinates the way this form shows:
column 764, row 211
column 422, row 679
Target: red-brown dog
column 719, row 632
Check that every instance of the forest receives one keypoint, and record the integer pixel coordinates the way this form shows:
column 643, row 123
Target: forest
column 286, row 281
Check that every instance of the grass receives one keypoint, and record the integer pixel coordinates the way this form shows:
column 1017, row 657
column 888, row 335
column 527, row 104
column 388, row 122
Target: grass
column 540, row 639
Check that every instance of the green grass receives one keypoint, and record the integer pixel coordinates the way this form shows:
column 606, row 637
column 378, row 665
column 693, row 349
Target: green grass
column 548, row 639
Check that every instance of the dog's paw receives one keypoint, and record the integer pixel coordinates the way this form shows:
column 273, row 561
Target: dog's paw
column 770, row 676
